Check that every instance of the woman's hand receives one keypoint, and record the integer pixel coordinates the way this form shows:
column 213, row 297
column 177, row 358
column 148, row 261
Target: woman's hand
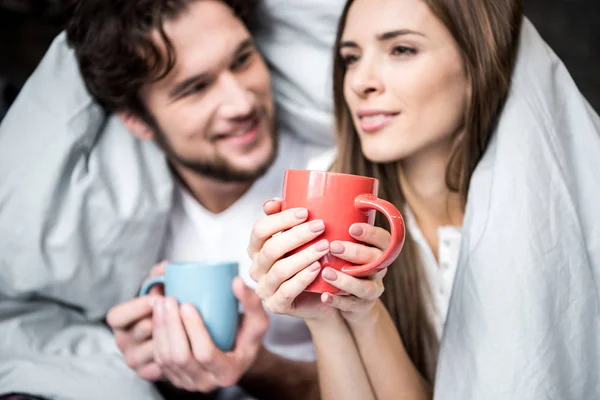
column 282, row 280
column 363, row 293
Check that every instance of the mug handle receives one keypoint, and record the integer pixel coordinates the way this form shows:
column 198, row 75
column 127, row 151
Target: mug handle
column 157, row 280
column 372, row 202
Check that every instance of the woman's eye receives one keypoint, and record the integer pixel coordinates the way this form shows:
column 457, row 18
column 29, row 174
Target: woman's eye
column 402, row 51
column 349, row 60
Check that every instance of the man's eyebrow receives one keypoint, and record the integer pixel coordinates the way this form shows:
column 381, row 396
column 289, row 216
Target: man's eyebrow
column 184, row 85
column 383, row 37
column 244, row 45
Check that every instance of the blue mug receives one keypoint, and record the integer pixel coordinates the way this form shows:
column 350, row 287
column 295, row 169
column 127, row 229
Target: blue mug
column 207, row 286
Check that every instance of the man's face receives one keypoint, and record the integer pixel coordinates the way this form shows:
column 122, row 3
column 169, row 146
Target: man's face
column 213, row 112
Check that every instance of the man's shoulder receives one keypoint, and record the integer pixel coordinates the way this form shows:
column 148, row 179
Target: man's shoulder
column 298, row 153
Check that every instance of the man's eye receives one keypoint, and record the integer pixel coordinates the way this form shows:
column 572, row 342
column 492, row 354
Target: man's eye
column 197, row 88
column 241, row 60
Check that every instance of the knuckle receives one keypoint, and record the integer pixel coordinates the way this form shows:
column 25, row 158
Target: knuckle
column 289, row 217
column 166, row 359
column 228, row 379
column 206, row 387
column 254, row 273
column 110, row 318
column 273, row 306
column 260, row 290
column 131, row 360
column 143, row 329
column 121, row 340
column 159, row 360
column 300, row 233
column 276, row 275
column 286, row 296
column 206, row 356
column 370, row 292
column 258, row 231
column 179, row 360
column 269, row 252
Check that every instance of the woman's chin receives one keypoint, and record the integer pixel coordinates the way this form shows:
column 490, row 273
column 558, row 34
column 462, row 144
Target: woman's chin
column 381, row 156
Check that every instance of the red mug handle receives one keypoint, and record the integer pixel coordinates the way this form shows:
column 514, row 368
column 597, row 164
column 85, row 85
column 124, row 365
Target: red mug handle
column 372, row 202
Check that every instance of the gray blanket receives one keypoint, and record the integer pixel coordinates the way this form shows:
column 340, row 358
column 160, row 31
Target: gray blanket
column 84, row 206
column 524, row 315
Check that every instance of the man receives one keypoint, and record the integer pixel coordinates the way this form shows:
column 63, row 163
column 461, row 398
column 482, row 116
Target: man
column 119, row 208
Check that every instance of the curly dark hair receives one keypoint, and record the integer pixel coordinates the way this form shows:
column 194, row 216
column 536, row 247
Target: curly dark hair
column 113, row 45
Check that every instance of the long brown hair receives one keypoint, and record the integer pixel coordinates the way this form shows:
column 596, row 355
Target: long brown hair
column 487, row 33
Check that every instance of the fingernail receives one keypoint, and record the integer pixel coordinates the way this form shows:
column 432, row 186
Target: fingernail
column 356, row 230
column 152, row 301
column 328, row 298
column 301, row 213
column 322, row 245
column 267, row 202
column 337, row 248
column 329, row 274
column 317, row 226
column 314, row 266
column 168, row 305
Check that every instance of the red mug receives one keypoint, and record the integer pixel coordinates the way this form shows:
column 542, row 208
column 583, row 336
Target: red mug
column 341, row 200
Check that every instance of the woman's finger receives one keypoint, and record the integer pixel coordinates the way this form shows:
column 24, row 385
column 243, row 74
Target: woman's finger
column 282, row 301
column 355, row 253
column 268, row 226
column 272, row 206
column 375, row 236
column 278, row 246
column 367, row 289
column 287, row 267
column 350, row 304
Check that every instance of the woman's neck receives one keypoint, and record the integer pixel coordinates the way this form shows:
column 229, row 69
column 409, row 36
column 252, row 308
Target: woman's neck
column 423, row 183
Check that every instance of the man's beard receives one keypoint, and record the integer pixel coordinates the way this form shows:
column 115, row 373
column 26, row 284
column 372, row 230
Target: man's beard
column 218, row 168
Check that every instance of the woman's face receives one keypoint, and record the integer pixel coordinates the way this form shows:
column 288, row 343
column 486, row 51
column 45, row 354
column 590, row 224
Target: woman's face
column 405, row 83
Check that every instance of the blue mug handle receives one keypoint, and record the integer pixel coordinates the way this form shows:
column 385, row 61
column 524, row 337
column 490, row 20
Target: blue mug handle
column 158, row 280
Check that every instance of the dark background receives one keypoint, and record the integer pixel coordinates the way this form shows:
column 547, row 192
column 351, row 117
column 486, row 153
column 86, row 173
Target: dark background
column 571, row 27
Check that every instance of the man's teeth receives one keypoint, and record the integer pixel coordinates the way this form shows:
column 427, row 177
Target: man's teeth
column 241, row 132
column 375, row 118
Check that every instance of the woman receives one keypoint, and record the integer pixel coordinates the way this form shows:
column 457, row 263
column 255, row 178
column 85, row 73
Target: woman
column 418, row 96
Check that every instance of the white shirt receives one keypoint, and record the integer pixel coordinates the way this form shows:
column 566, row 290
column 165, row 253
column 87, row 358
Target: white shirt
column 197, row 234
column 440, row 275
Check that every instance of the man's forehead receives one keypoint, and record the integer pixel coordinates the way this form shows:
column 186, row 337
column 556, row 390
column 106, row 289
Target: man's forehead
column 201, row 21
column 203, row 38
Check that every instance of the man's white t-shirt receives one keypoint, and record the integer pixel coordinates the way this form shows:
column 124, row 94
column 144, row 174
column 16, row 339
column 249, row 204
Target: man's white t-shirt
column 195, row 234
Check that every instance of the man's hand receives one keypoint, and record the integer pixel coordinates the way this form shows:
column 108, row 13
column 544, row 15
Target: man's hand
column 132, row 325
column 186, row 354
